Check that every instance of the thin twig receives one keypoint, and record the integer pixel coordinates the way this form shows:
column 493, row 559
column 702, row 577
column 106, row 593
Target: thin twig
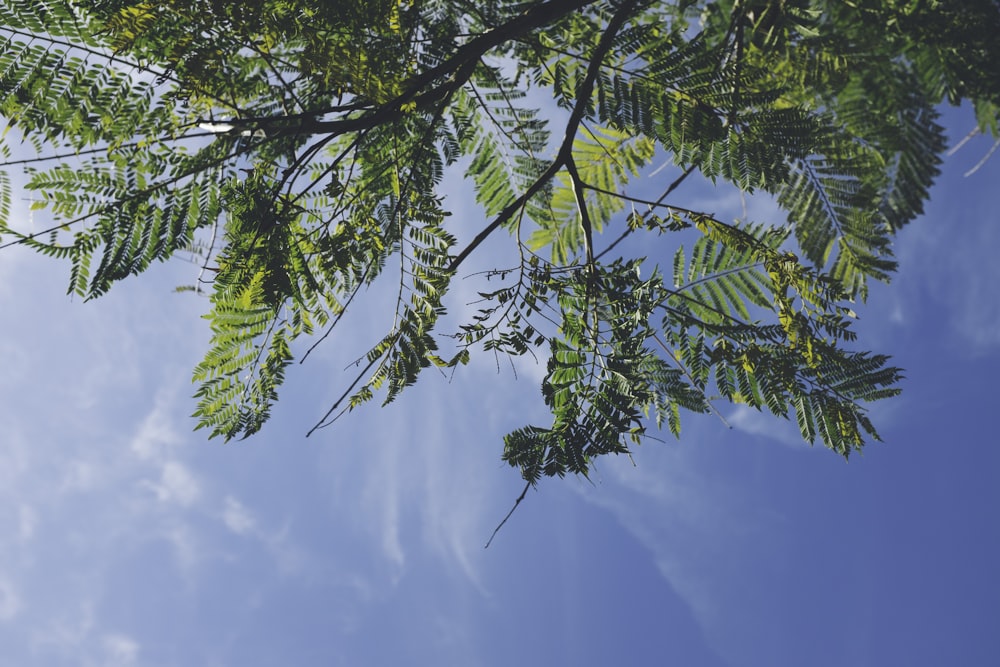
column 651, row 204
column 986, row 157
column 500, row 525
column 964, row 141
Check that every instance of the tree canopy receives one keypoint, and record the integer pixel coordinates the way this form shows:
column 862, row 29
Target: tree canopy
column 299, row 148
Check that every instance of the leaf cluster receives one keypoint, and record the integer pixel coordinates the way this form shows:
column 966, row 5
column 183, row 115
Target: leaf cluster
column 299, row 150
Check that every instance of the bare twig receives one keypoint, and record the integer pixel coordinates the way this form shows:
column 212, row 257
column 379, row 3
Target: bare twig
column 517, row 502
column 979, row 165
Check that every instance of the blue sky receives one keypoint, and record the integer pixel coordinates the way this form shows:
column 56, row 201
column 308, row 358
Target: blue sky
column 126, row 539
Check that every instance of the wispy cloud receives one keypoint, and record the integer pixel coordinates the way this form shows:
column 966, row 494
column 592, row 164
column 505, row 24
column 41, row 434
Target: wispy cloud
column 73, row 636
column 109, row 507
column 185, row 544
column 10, row 601
column 27, row 521
column 457, row 491
column 690, row 521
column 156, row 433
column 65, row 632
column 176, row 485
column 237, row 518
column 120, row 650
column 766, row 426
column 423, row 488
column 948, row 260
column 289, row 558
column 382, row 493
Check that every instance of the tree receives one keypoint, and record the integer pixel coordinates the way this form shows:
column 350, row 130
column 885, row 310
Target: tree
column 298, row 148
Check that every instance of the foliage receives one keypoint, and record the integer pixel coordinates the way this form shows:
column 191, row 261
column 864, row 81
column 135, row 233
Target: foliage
column 299, row 149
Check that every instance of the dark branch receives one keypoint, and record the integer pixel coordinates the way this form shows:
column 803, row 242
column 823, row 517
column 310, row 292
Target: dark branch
column 511, row 512
column 565, row 153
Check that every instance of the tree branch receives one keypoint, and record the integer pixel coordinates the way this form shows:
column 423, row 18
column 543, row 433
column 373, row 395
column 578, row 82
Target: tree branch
column 565, row 153
column 458, row 67
column 517, row 502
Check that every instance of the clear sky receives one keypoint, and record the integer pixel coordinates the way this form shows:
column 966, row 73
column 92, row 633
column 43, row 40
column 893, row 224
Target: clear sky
column 126, row 539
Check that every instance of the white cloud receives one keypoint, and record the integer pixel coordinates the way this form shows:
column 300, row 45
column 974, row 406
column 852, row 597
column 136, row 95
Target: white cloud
column 95, row 482
column 156, row 433
column 690, row 581
column 691, row 521
column 948, row 259
column 16, row 455
column 186, row 549
column 425, row 483
column 27, row 520
column 381, row 497
column 670, row 518
column 288, row 557
column 81, row 476
column 14, row 363
column 66, row 631
column 10, row 602
column 454, row 505
column 897, row 312
column 964, row 280
column 16, row 257
column 74, row 637
column 120, row 650
column 766, row 425
column 237, row 517
column 177, row 485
